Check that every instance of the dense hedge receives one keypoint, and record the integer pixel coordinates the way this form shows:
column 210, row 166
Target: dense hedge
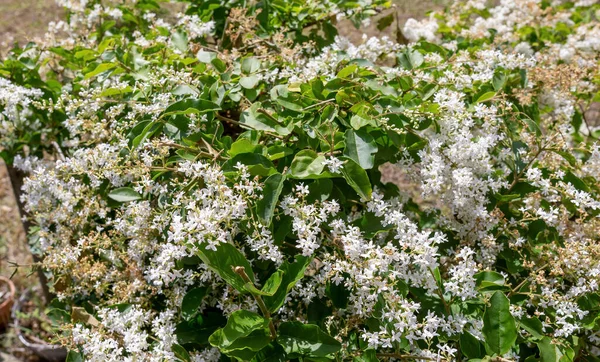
column 206, row 186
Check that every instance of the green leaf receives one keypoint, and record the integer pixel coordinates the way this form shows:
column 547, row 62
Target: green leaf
column 223, row 260
column 250, row 65
column 357, row 178
column 115, row 91
column 385, row 21
column 576, row 181
column 277, row 151
column 273, row 283
column 189, row 106
column 307, row 163
column 291, row 102
column 485, row 97
column 507, row 198
column 206, row 57
column 198, row 330
column 265, row 207
column 101, row 68
column 357, row 122
column 180, row 352
column 254, row 119
column 73, row 356
column 410, row 58
column 499, row 326
column 271, row 353
column 338, row 294
column 306, row 340
column 258, row 165
column 249, row 82
column 241, row 145
column 533, row 326
column 369, row 355
column 489, row 281
column 498, row 80
column 568, row 156
column 533, row 126
column 347, row 71
column 549, row 352
column 469, row 345
column 124, row 194
column 243, row 336
column 219, row 65
column 192, row 301
column 180, row 41
column 270, row 286
column 291, row 274
column 360, row 147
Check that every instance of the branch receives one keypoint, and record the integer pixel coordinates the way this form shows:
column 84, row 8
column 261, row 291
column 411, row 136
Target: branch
column 241, row 271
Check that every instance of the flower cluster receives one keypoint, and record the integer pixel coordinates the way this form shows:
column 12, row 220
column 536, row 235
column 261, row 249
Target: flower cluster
column 208, row 185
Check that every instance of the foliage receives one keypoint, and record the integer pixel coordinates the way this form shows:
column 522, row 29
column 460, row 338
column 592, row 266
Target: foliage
column 207, row 187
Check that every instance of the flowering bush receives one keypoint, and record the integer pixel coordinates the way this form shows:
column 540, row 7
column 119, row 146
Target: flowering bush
column 206, row 187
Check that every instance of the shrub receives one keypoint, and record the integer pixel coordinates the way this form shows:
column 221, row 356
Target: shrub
column 207, row 187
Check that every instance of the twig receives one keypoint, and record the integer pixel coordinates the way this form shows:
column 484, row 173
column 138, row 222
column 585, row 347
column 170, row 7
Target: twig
column 241, row 271
column 408, row 356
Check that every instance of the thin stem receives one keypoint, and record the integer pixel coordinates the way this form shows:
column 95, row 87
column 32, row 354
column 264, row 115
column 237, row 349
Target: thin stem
column 518, row 176
column 521, row 284
column 441, row 295
column 263, row 111
column 407, row 356
column 241, row 271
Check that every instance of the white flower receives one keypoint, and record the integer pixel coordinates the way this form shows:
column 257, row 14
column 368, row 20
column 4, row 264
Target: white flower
column 334, row 164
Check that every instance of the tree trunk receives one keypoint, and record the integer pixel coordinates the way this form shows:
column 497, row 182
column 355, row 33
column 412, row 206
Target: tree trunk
column 16, row 179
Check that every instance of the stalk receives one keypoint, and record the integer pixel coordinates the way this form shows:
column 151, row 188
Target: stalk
column 241, row 271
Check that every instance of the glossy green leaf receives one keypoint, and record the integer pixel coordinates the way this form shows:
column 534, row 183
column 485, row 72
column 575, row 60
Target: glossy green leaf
column 360, row 147
column 265, row 207
column 549, row 352
column 357, row 178
column 250, row 65
column 223, row 260
column 292, row 273
column 249, row 82
column 410, row 58
column 101, row 68
column 253, row 118
column 109, row 92
column 124, row 194
column 498, row 80
column 271, row 353
column 189, row 106
column 485, row 97
column 270, row 287
column 347, row 71
column 245, row 334
column 306, row 340
column 241, row 145
column 180, row 352
column 499, row 328
column 307, row 163
column 192, row 301
column 74, row 356
column 533, row 326
column 469, row 345
column 258, row 165
column 489, row 281
column 206, row 57
column 273, row 283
